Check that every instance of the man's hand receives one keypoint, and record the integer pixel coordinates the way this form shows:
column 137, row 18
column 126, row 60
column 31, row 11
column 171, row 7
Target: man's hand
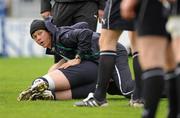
column 100, row 15
column 45, row 14
column 69, row 63
column 56, row 65
column 127, row 8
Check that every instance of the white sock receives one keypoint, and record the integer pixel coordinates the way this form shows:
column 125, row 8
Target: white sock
column 50, row 82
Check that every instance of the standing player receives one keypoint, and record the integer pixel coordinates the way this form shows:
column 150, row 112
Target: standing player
column 112, row 27
column 173, row 27
column 136, row 99
column 153, row 37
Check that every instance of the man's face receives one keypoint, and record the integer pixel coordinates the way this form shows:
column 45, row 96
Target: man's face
column 43, row 38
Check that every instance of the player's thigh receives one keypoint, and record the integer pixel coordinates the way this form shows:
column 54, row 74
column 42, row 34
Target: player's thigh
column 108, row 39
column 176, row 47
column 81, row 74
column 152, row 35
column 63, row 95
column 170, row 59
column 152, row 51
column 113, row 25
column 60, row 80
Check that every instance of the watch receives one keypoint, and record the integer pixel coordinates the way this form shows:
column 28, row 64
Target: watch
column 77, row 57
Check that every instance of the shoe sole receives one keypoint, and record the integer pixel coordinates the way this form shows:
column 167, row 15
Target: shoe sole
column 103, row 105
column 136, row 104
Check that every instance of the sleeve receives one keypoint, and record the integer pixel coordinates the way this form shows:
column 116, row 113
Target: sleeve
column 84, row 38
column 80, row 40
column 80, row 25
column 45, row 5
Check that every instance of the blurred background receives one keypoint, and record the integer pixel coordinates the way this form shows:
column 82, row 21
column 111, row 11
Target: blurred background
column 15, row 19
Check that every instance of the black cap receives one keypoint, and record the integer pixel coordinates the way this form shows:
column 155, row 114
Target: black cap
column 37, row 25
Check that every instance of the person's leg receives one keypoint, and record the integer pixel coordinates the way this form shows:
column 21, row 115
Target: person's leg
column 78, row 82
column 76, row 93
column 176, row 42
column 152, row 44
column 136, row 99
column 57, row 81
column 63, row 79
column 63, row 95
column 152, row 63
column 88, row 12
column 170, row 88
column 112, row 26
column 173, row 27
column 111, row 30
column 121, row 74
column 108, row 41
column 62, row 13
column 44, row 87
column 176, row 47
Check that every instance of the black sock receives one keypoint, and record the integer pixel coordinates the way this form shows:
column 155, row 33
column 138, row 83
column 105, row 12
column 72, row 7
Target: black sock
column 171, row 93
column 137, row 94
column 153, row 85
column 178, row 87
column 105, row 69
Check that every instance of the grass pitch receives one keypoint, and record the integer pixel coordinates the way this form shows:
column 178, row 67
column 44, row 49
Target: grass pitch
column 17, row 73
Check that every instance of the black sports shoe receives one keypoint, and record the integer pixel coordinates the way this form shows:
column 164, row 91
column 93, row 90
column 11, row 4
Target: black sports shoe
column 90, row 101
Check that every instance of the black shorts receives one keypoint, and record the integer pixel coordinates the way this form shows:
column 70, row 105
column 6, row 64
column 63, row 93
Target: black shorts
column 112, row 18
column 82, row 78
column 83, row 91
column 151, row 20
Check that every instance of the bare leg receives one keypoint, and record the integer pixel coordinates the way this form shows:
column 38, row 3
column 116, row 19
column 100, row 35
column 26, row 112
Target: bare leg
column 136, row 99
column 152, row 51
column 108, row 42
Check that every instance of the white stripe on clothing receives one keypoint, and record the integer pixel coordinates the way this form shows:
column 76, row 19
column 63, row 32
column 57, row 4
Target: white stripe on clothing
column 120, row 83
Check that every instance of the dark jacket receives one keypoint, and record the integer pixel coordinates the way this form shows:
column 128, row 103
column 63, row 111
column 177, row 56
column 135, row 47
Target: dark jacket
column 76, row 39
column 69, row 41
column 46, row 5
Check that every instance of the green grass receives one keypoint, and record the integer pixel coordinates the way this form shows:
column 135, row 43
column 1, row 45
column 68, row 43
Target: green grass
column 17, row 73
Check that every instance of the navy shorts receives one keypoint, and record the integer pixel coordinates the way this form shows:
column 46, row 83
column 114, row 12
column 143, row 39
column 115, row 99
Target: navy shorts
column 112, row 18
column 82, row 78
